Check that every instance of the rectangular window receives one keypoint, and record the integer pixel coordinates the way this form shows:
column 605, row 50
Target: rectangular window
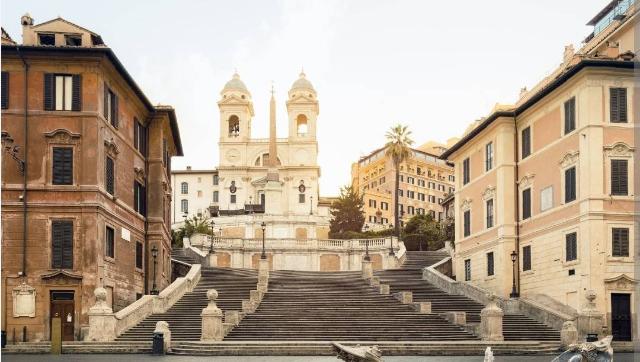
column 465, row 171
column 410, row 210
column 570, row 115
column 215, row 196
column 110, row 110
column 62, row 92
column 620, row 240
column 467, row 270
column 73, row 40
column 184, row 206
column 47, row 39
column 233, row 199
column 401, row 178
column 571, row 241
column 400, row 193
column 467, row 223
column 372, row 203
column 139, row 198
column 139, row 255
column 62, row 166
column 569, row 184
column 5, row 90
column 488, row 155
column 62, row 244
column 216, row 180
column 489, row 213
column 526, row 258
column 301, row 198
column 526, row 204
column 109, row 242
column 618, row 105
column 526, row 142
column 619, row 178
column 139, row 137
column 490, row 264
column 109, row 179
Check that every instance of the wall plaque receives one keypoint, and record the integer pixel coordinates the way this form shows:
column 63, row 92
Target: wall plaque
column 24, row 301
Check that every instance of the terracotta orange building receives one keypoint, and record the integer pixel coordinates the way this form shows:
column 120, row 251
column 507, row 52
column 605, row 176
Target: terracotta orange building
column 85, row 180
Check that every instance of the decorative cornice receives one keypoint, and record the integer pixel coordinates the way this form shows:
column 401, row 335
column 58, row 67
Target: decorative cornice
column 526, row 180
column 489, row 193
column 111, row 148
column 619, row 149
column 139, row 173
column 63, row 136
column 62, row 274
column 465, row 204
column 569, row 159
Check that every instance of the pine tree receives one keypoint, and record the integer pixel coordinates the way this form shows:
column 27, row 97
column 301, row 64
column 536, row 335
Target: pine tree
column 347, row 212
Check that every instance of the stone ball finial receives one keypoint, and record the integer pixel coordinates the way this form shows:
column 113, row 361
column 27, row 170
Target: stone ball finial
column 101, row 294
column 590, row 295
column 212, row 294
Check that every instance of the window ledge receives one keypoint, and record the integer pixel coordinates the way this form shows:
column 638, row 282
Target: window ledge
column 110, row 259
column 571, row 263
column 620, row 259
column 527, row 272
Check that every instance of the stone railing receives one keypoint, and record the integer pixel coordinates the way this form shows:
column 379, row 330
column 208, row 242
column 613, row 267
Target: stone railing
column 108, row 325
column 204, row 242
column 537, row 311
column 401, row 254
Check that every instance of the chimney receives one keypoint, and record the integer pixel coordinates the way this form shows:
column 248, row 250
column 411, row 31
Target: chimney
column 188, row 168
column 613, row 50
column 27, row 22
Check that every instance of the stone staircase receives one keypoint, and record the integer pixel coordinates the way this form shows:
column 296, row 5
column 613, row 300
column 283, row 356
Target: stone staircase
column 233, row 285
column 409, row 278
column 337, row 306
column 183, row 256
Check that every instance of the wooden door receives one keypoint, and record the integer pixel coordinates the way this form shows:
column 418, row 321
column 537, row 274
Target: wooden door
column 621, row 317
column 62, row 306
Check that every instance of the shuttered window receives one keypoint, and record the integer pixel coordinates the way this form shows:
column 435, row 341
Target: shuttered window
column 569, row 115
column 62, row 244
column 571, row 243
column 184, row 206
column 62, row 92
column 489, row 213
column 488, row 156
column 467, row 223
column 139, row 137
column 619, row 178
column 467, row 270
column 618, row 105
column 620, row 240
column 526, row 204
column 465, row 171
column 109, row 179
column 490, row 264
column 76, row 93
column 110, row 110
column 526, row 142
column 569, row 184
column 109, row 242
column 49, row 92
column 5, row 90
column 526, row 258
column 62, row 166
column 139, row 198
column 301, row 198
column 139, row 254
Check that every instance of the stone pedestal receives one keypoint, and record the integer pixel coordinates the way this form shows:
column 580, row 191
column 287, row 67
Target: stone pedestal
column 367, row 269
column 232, row 317
column 590, row 320
column 102, row 321
column 212, row 329
column 212, row 260
column 457, row 318
column 405, row 297
column 423, row 307
column 375, row 282
column 263, row 275
column 163, row 327
column 384, row 289
column 568, row 334
column 491, row 321
column 273, row 197
column 247, row 306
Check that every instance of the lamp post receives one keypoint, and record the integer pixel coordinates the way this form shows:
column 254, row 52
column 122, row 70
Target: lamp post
column 12, row 150
column 264, row 228
column 366, row 245
column 250, row 205
column 211, row 251
column 154, row 254
column 391, row 247
column 514, row 292
column 311, row 209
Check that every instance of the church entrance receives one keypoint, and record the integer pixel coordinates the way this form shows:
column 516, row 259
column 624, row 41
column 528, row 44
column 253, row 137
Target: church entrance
column 621, row 316
column 62, row 306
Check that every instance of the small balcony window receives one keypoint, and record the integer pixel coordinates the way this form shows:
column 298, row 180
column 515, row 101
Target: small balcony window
column 47, row 39
column 73, row 40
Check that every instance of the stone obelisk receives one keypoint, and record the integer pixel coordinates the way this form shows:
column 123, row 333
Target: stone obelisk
column 273, row 188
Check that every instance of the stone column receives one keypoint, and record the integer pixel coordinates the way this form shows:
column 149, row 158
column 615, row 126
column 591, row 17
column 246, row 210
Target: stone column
column 568, row 334
column 163, row 327
column 367, row 269
column 491, row 321
column 590, row 320
column 211, row 319
column 102, row 321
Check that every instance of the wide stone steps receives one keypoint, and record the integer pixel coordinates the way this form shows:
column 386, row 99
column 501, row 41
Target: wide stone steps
column 409, row 278
column 80, row 347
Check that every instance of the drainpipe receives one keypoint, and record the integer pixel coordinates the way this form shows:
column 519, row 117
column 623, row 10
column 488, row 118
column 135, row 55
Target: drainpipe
column 24, row 164
column 517, row 206
column 146, row 207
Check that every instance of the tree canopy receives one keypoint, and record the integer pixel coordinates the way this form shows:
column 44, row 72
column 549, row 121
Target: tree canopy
column 347, row 212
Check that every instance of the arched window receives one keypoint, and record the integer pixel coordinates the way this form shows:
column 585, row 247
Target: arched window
column 263, row 160
column 301, row 125
column 234, row 126
column 184, row 188
column 184, row 205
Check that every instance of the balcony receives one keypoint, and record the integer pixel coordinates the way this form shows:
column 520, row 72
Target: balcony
column 215, row 210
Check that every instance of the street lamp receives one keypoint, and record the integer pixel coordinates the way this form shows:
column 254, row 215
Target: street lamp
column 264, row 254
column 213, row 224
column 391, row 246
column 366, row 245
column 12, row 150
column 514, row 292
column 311, row 209
column 154, row 254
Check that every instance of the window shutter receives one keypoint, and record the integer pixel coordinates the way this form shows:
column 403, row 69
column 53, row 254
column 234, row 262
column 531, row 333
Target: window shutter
column 622, row 104
column 62, row 173
column 570, row 184
column 618, row 105
column 620, row 238
column 490, row 264
column 139, row 255
column 569, row 115
column 526, row 258
column 526, row 204
column 62, row 244
column 114, row 111
column 67, row 246
column 571, row 246
column 109, row 175
column 57, row 236
column 76, row 97
column 619, row 177
column 5, row 90
column 136, row 134
column 49, row 91
column 105, row 110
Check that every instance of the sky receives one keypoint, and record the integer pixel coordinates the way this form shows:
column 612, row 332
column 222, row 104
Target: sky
column 434, row 66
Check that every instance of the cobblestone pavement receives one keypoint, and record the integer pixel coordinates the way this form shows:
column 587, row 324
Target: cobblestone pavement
column 620, row 357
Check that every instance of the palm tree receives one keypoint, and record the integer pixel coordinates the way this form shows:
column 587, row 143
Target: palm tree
column 398, row 147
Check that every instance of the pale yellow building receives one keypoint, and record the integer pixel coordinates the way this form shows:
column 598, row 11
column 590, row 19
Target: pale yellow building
column 551, row 178
column 424, row 182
